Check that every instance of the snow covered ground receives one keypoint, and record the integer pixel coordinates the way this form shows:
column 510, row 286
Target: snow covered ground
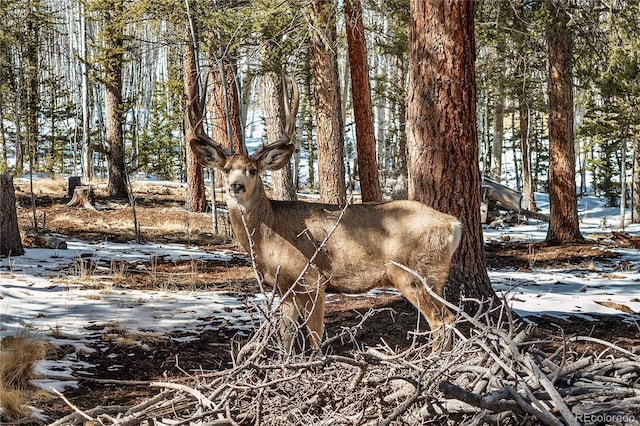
column 38, row 294
column 561, row 292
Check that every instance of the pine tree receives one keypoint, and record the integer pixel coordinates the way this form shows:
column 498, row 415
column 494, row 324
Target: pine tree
column 609, row 70
column 10, row 241
column 111, row 61
column 442, row 133
column 195, row 200
column 563, row 216
column 362, row 107
column 329, row 126
column 278, row 41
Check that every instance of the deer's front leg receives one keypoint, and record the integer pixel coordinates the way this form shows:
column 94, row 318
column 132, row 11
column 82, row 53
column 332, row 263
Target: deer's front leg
column 313, row 302
column 306, row 299
column 289, row 325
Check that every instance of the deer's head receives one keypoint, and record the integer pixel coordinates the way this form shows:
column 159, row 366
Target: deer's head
column 241, row 171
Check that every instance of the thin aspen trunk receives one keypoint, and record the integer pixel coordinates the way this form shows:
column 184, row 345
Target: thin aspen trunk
column 527, row 184
column 498, row 138
column 18, row 119
column 3, row 144
column 86, row 150
column 635, row 184
column 623, row 181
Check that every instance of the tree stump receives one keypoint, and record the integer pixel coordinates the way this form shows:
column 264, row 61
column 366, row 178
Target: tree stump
column 74, row 182
column 10, row 241
column 82, row 197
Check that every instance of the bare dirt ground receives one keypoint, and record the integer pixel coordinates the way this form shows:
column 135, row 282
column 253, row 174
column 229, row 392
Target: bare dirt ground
column 162, row 218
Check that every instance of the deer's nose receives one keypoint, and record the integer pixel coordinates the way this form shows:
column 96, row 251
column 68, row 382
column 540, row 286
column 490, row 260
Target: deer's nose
column 237, row 188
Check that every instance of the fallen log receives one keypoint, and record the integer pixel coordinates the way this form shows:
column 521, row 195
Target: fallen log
column 495, row 191
column 524, row 212
column 45, row 241
column 496, row 196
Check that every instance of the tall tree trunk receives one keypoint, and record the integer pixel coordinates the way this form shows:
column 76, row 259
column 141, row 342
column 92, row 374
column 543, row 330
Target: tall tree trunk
column 442, row 133
column 18, row 123
column 224, row 104
column 563, row 200
column 113, row 32
column 196, row 200
column 329, row 126
column 381, row 111
column 308, row 126
column 32, row 74
column 3, row 139
column 401, row 118
column 10, row 242
column 623, row 179
column 362, row 106
column 281, row 180
column 527, row 183
column 87, row 151
column 498, row 138
column 635, row 212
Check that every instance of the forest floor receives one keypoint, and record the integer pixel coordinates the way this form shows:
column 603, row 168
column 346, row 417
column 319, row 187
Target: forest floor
column 162, row 219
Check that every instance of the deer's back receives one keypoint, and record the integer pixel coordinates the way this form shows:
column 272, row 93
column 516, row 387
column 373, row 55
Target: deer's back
column 362, row 239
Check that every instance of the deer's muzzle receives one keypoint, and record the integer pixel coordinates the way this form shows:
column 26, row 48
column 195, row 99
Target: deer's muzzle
column 237, row 188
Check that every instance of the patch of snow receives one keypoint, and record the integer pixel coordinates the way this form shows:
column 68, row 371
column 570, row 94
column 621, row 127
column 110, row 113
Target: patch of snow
column 561, row 293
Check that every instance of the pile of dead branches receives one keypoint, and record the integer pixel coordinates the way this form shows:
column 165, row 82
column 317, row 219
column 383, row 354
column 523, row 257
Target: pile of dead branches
column 496, row 373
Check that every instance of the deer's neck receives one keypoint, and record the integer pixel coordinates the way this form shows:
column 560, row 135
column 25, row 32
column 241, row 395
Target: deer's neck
column 250, row 219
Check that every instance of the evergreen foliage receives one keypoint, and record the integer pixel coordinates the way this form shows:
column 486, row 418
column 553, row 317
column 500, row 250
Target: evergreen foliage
column 160, row 146
column 609, row 73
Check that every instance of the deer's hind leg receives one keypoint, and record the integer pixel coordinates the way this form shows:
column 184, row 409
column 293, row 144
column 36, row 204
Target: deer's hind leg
column 434, row 311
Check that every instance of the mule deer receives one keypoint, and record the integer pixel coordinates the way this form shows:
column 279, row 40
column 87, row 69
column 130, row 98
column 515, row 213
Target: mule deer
column 305, row 249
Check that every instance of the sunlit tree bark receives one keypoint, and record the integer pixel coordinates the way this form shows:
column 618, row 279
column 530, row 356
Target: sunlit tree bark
column 362, row 106
column 10, row 241
column 329, row 126
column 563, row 199
column 281, row 180
column 224, row 103
column 195, row 200
column 441, row 129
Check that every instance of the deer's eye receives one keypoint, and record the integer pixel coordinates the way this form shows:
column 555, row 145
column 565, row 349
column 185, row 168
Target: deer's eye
column 253, row 172
column 226, row 170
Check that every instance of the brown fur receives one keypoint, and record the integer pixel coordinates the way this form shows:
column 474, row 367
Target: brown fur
column 289, row 242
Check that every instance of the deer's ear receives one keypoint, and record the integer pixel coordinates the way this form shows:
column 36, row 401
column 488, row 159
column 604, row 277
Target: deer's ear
column 208, row 154
column 273, row 157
